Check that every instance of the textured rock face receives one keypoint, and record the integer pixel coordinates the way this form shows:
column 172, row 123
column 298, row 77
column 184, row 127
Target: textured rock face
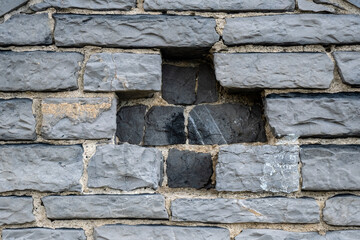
column 342, row 210
column 355, row 2
column 309, row 5
column 292, row 29
column 269, row 234
column 16, row 210
column 274, row 70
column 323, row 115
column 343, row 235
column 349, row 67
column 258, row 168
column 43, row 234
column 39, row 71
column 135, row 31
column 105, row 206
column 45, row 168
column 262, row 210
column 86, row 4
column 125, row 167
column 130, row 124
column 9, row 5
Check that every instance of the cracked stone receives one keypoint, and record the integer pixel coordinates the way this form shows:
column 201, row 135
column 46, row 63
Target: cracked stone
column 342, row 210
column 43, row 234
column 16, row 210
column 349, row 67
column 85, row 4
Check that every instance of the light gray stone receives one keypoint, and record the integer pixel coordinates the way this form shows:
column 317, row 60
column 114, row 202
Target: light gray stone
column 294, row 29
column 9, row 5
column 17, row 121
column 78, row 118
column 355, row 2
column 342, row 210
column 261, row 210
column 26, row 30
column 310, row 6
column 274, row 70
column 270, row 234
column 314, row 115
column 45, row 168
column 16, row 210
column 43, row 234
column 135, row 31
column 343, row 235
column 86, row 4
column 39, row 71
column 349, row 67
column 258, row 168
column 125, row 167
column 156, row 232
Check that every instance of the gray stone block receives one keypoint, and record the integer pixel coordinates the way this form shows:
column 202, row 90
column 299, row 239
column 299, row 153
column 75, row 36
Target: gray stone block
column 261, row 210
column 39, row 71
column 78, row 118
column 135, row 31
column 343, row 235
column 16, row 210
column 258, row 168
column 17, row 121
column 349, row 67
column 355, row 2
column 40, row 167
column 9, row 5
column 342, row 210
column 310, row 6
column 43, row 234
column 206, row 85
column 125, row 167
column 270, row 234
column 85, row 4
column 274, row 70
column 105, row 206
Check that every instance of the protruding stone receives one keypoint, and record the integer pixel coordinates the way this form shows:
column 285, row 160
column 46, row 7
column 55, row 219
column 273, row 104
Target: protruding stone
column 271, row 234
column 9, row 5
column 349, row 67
column 342, row 210
column 310, row 6
column 85, row 4
column 16, row 210
column 43, row 234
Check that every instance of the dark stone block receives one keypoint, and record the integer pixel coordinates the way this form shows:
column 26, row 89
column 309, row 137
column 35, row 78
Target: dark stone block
column 206, row 91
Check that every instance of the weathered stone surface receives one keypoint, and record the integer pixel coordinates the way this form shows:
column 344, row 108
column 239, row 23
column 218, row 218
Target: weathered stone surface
column 16, row 210
column 125, row 167
column 45, row 168
column 349, row 67
column 270, row 234
column 17, row 121
column 225, row 124
column 134, row 31
column 105, row 206
column 306, row 115
column 43, row 234
column 274, row 70
column 298, row 29
column 39, row 71
column 355, row 2
column 9, row 5
column 206, row 89
column 152, row 232
column 188, row 169
column 342, row 210
column 165, row 126
column 262, row 210
column 343, row 235
column 130, row 124
column 310, row 6
column 86, row 4
column 258, row 168
column 123, row 72
column 74, row 118
column 26, row 30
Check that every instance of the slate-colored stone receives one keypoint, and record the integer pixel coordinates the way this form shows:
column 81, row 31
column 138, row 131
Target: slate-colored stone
column 40, row 167
column 24, row 29
column 9, row 5
column 188, row 169
column 85, row 4
column 258, row 168
column 314, row 115
column 294, row 29
column 43, row 234
column 271, row 234
column 226, row 124
column 152, row 232
column 134, row 31
column 39, row 71
column 349, row 67
column 148, row 206
column 342, row 210
column 310, row 6
column 261, row 210
column 17, row 121
column 206, row 89
column 343, row 235
column 355, row 2
column 274, row 70
column 16, row 210
column 125, row 167
column 164, row 126
column 78, row 118
column 130, row 124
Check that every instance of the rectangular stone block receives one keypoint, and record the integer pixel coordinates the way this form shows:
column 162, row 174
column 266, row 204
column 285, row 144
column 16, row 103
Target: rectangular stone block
column 39, row 71
column 342, row 210
column 85, row 4
column 258, row 168
column 40, row 167
column 16, row 210
column 316, row 6
column 135, row 31
column 260, row 210
column 274, row 70
column 271, row 234
column 43, row 234
column 349, row 67
column 9, row 5
column 78, row 118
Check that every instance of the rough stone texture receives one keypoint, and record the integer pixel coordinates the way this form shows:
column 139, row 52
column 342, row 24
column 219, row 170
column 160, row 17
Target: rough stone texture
column 270, row 234
column 154, row 232
column 354, row 2
column 39, row 71
column 9, row 5
column 274, row 70
column 298, row 29
column 105, row 206
column 26, row 30
column 125, row 167
column 122, row 72
column 86, row 4
column 188, row 169
column 43, row 234
column 134, row 31
column 310, row 115
column 16, row 210
column 225, row 124
column 309, row 5
column 164, row 126
column 17, row 121
column 261, row 210
column 349, row 67
column 206, row 89
column 45, row 168
column 258, row 168
column 343, row 235
column 342, row 210
column 78, row 118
